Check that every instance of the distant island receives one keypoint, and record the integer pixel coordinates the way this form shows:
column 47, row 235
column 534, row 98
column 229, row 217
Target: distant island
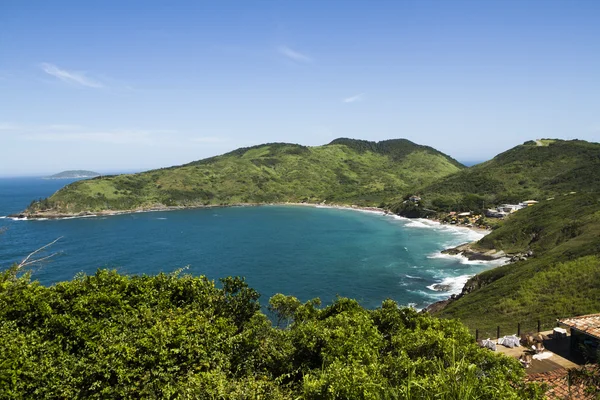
column 74, row 174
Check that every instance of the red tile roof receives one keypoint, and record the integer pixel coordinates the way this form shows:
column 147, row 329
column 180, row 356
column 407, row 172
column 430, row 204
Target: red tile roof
column 589, row 324
column 558, row 386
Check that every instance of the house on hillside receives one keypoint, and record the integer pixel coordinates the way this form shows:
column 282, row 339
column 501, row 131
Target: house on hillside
column 509, row 208
column 528, row 203
column 414, row 199
column 585, row 333
column 495, row 213
column 505, row 209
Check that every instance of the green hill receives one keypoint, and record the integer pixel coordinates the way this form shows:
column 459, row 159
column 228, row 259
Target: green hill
column 533, row 170
column 344, row 171
column 561, row 279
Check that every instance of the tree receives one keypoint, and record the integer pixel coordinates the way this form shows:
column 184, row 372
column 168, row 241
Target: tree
column 284, row 307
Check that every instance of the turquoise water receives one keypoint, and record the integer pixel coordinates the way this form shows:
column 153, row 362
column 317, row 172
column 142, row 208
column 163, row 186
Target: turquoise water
column 302, row 251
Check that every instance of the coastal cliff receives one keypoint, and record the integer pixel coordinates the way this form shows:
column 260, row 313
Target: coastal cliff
column 554, row 270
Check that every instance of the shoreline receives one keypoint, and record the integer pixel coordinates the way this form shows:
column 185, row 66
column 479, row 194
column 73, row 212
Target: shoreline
column 461, row 252
column 41, row 215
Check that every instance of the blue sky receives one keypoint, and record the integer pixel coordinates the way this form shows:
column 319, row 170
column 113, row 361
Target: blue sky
column 134, row 85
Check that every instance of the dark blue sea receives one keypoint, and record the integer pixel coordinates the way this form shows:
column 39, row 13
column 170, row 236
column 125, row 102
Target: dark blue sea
column 302, row 251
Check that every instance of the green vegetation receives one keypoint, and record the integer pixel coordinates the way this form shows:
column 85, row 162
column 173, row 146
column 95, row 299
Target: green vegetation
column 340, row 351
column 528, row 171
column 74, row 174
column 561, row 279
column 178, row 336
column 344, row 171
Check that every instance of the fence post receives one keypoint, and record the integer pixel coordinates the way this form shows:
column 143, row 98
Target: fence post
column 519, row 329
column 539, row 330
column 498, row 332
column 476, row 335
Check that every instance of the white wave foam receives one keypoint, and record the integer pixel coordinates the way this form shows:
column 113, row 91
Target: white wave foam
column 397, row 217
column 417, row 224
column 455, row 284
column 368, row 211
column 471, row 235
column 412, row 277
column 435, row 273
column 79, row 216
column 464, row 260
column 430, row 294
column 3, row 217
column 161, row 218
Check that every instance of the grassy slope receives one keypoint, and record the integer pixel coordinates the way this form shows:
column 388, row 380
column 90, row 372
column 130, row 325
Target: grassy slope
column 528, row 171
column 561, row 280
column 345, row 171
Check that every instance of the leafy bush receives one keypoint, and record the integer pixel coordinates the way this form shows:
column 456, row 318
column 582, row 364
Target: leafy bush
column 178, row 336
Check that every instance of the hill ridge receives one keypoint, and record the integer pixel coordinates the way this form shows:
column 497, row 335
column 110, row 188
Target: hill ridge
column 273, row 172
column 526, row 171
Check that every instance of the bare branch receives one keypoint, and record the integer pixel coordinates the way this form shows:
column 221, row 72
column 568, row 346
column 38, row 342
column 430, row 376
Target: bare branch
column 37, row 260
column 28, row 260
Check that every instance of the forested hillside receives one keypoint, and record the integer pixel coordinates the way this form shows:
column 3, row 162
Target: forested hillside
column 178, row 336
column 560, row 279
column 534, row 170
column 344, row 171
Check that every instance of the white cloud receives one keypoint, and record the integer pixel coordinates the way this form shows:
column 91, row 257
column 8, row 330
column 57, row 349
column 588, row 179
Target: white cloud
column 5, row 126
column 353, row 99
column 78, row 134
column 293, row 54
column 109, row 137
column 77, row 78
column 81, row 134
column 62, row 127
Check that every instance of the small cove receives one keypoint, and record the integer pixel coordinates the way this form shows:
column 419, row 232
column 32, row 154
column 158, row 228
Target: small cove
column 302, row 251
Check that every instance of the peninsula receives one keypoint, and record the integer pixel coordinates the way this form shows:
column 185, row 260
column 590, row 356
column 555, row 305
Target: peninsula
column 345, row 171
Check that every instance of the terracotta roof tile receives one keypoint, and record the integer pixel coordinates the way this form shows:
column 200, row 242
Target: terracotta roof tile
column 589, row 324
column 558, row 386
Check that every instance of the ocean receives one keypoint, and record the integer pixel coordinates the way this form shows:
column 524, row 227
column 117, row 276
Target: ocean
column 302, row 251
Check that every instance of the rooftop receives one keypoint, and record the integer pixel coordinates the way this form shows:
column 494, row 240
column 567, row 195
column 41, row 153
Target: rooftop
column 559, row 386
column 554, row 371
column 589, row 324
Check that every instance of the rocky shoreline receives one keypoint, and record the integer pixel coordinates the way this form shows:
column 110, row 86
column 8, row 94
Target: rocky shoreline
column 474, row 283
column 467, row 251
